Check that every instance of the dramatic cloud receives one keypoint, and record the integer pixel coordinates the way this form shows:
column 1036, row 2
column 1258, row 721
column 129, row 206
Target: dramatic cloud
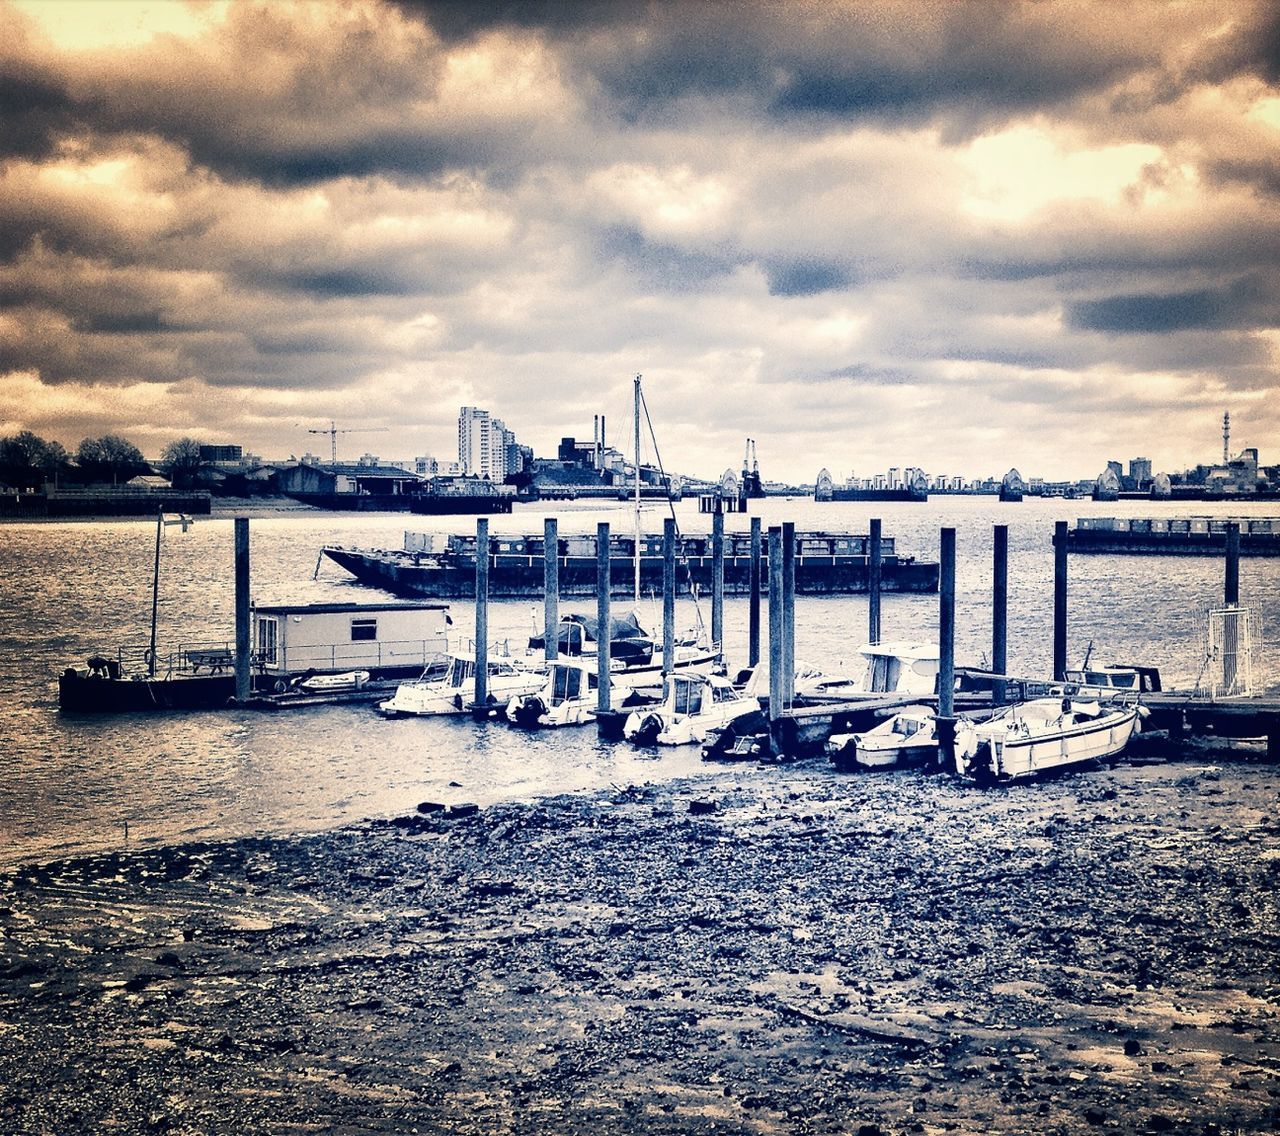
column 962, row 236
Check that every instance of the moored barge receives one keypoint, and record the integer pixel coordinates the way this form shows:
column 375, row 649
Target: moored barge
column 445, row 567
column 289, row 644
column 1174, row 536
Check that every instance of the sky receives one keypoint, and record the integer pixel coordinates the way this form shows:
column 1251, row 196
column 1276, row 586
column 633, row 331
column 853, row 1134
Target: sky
column 959, row 236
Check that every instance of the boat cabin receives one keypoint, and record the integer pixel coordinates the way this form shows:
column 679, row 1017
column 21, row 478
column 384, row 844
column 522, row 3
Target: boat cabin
column 569, row 682
column 289, row 639
column 903, row 668
column 1114, row 680
column 694, row 693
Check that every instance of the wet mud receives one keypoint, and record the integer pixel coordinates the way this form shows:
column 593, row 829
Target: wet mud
column 770, row 950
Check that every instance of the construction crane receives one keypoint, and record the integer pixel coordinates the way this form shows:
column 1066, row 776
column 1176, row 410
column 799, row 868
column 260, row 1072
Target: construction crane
column 333, row 433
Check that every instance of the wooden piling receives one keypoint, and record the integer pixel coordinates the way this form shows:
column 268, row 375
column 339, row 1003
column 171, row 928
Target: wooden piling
column 1059, row 601
column 874, row 571
column 1000, row 610
column 753, row 610
column 482, row 611
column 947, row 649
column 717, row 577
column 243, row 671
column 1231, row 619
column 789, row 611
column 668, row 594
column 1231, row 583
column 777, row 685
column 603, row 615
column 551, row 587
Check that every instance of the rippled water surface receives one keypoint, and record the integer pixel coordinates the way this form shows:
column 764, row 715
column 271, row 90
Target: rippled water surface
column 70, row 783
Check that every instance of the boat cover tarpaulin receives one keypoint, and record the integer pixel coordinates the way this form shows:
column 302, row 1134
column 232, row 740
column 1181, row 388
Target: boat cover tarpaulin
column 627, row 639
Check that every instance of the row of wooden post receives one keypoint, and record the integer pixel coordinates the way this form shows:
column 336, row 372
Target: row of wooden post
column 781, row 604
column 782, row 546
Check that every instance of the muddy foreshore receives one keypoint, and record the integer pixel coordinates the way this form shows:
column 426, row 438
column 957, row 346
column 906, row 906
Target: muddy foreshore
column 771, row 950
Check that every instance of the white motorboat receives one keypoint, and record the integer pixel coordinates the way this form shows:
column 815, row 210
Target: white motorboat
column 453, row 691
column 568, row 695
column 693, row 704
column 908, row 738
column 880, row 669
column 1030, row 738
column 632, row 651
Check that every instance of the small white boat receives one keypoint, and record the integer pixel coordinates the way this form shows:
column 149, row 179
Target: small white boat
column 880, row 668
column 334, row 683
column 1030, row 738
column 908, row 738
column 567, row 696
column 453, row 691
column 693, row 704
column 631, row 648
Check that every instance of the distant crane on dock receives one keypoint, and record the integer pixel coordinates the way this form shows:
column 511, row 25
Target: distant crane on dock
column 333, row 433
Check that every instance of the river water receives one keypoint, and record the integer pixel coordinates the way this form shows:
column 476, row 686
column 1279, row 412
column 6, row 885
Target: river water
column 70, row 784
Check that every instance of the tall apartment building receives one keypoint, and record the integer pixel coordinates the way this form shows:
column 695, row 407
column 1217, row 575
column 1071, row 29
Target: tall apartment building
column 485, row 446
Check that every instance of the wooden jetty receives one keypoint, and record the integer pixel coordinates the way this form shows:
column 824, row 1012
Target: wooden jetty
column 797, row 728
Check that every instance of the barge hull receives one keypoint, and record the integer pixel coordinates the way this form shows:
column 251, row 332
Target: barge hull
column 1169, row 544
column 81, row 693
column 521, row 577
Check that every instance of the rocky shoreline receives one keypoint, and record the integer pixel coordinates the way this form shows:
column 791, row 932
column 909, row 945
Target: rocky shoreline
column 773, row 950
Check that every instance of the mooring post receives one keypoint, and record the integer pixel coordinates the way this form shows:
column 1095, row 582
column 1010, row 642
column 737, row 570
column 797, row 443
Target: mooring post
column 668, row 594
column 1000, row 612
column 1059, row 601
column 604, row 658
column 789, row 610
column 753, row 610
column 482, row 611
column 1231, row 618
column 717, row 577
column 946, row 723
column 243, row 670
column 874, row 571
column 550, row 588
column 777, row 661
column 1231, row 584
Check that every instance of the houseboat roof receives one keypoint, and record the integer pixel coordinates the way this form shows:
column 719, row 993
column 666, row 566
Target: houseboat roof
column 347, row 608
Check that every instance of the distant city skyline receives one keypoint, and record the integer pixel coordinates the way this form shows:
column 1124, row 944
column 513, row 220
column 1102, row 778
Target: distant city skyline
column 865, row 234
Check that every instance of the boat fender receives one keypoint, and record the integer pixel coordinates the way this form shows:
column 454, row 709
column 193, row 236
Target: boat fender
column 281, row 686
column 457, row 701
column 147, row 657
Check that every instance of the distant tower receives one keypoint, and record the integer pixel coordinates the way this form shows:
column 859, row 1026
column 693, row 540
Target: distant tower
column 1226, row 437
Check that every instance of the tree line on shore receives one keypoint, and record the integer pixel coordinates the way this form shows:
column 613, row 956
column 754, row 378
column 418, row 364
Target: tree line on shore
column 28, row 462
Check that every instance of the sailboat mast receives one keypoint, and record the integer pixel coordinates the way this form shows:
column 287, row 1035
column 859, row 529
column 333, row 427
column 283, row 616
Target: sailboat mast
column 637, row 555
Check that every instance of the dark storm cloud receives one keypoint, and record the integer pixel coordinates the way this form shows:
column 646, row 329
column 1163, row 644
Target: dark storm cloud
column 417, row 206
column 244, row 114
column 1252, row 302
column 35, row 108
column 806, row 277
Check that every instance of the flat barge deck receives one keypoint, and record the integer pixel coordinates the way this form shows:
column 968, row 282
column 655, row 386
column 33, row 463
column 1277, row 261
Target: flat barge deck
column 1173, row 536
column 445, row 567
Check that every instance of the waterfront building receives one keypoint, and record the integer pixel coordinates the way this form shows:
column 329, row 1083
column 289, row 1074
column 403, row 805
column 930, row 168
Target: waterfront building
column 485, row 446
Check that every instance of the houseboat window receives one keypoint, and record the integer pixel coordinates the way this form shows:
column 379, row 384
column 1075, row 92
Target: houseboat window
column 268, row 639
column 364, row 630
